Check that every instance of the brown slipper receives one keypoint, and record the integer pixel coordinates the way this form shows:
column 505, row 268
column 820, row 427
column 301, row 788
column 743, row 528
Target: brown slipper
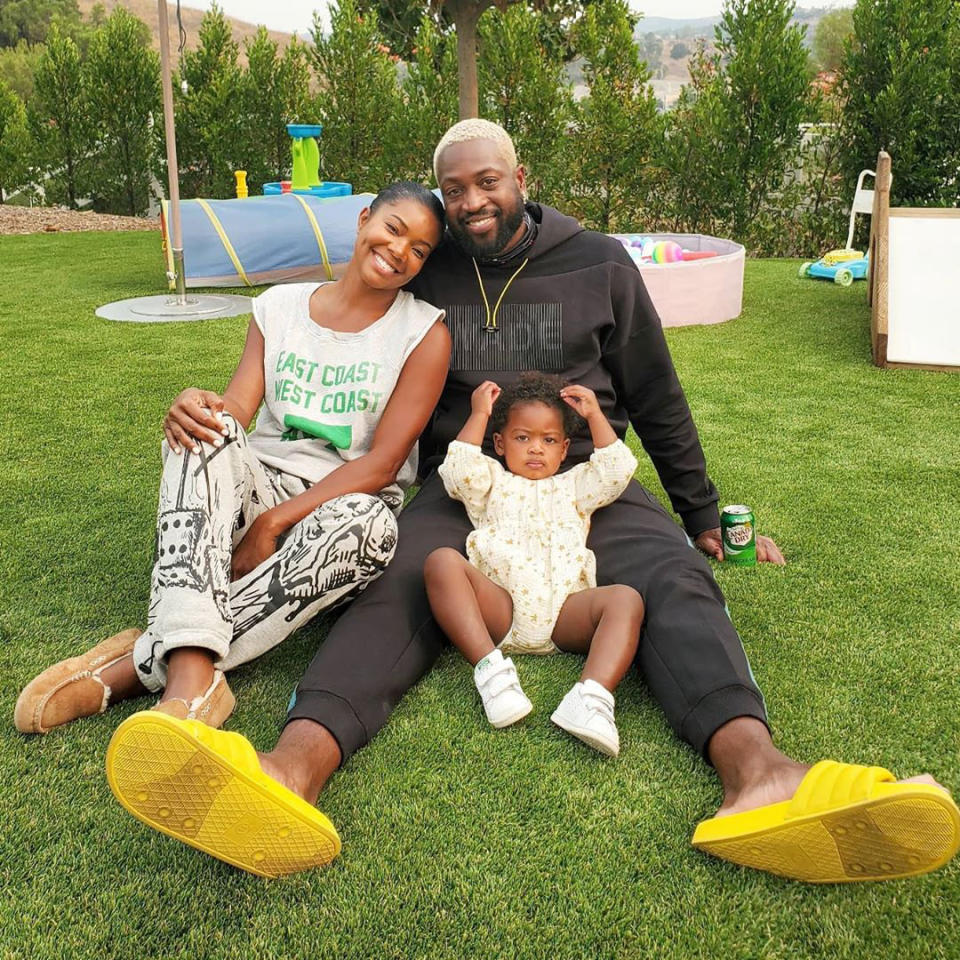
column 212, row 708
column 72, row 688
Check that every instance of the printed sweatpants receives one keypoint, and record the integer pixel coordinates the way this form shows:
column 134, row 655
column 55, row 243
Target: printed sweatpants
column 208, row 501
column 689, row 655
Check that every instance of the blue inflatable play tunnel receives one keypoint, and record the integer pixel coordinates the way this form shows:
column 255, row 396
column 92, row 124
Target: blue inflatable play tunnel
column 261, row 240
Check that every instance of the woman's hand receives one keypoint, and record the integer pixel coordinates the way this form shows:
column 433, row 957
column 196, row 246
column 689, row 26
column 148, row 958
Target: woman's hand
column 484, row 397
column 258, row 543
column 194, row 416
column 582, row 399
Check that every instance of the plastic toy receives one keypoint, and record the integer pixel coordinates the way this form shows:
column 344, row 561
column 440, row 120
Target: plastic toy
column 647, row 250
column 846, row 265
column 306, row 166
column 241, row 176
column 840, row 266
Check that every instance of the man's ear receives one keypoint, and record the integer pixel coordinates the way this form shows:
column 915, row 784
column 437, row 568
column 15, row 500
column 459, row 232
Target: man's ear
column 566, row 447
column 521, row 175
column 498, row 444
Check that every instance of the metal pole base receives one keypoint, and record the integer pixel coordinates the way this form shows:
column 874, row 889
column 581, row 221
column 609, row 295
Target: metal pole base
column 170, row 308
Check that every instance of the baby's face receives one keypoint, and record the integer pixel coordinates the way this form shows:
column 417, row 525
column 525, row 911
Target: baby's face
column 533, row 441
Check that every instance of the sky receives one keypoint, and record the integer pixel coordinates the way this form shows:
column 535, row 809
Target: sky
column 297, row 15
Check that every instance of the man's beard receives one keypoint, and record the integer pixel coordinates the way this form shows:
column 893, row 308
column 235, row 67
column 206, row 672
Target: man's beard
column 508, row 222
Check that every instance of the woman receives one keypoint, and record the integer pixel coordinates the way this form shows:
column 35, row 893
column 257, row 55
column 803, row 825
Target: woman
column 255, row 535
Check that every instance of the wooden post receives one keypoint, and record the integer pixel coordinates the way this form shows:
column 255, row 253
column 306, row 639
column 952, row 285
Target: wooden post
column 878, row 290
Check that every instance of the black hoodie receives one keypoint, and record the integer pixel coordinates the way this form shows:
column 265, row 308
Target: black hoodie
column 575, row 305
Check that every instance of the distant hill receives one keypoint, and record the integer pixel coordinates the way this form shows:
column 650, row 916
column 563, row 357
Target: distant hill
column 146, row 10
column 703, row 26
column 668, row 27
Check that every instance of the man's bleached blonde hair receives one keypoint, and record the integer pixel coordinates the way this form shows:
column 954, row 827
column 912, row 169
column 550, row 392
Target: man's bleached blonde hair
column 476, row 129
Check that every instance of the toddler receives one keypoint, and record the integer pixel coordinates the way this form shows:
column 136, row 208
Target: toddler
column 529, row 584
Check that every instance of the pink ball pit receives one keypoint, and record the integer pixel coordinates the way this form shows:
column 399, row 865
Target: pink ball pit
column 696, row 291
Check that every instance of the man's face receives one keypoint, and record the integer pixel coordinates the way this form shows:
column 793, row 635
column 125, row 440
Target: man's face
column 482, row 196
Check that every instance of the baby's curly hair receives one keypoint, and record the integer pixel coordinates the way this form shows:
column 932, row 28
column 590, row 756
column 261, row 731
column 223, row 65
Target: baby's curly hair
column 534, row 387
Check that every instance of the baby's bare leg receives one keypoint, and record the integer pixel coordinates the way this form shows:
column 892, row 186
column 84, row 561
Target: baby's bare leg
column 605, row 624
column 473, row 611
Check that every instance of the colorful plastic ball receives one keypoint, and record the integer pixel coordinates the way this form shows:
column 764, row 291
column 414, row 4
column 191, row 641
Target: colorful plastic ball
column 667, row 251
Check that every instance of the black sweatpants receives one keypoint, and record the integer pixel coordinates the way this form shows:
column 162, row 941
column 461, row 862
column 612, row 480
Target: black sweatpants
column 690, row 655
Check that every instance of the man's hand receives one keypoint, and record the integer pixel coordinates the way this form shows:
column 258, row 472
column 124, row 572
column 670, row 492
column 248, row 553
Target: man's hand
column 193, row 416
column 258, row 543
column 484, row 397
column 711, row 544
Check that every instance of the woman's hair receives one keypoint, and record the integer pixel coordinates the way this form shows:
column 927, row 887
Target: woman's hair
column 534, row 388
column 408, row 190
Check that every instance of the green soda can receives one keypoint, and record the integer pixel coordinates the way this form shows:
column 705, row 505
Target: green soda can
column 739, row 535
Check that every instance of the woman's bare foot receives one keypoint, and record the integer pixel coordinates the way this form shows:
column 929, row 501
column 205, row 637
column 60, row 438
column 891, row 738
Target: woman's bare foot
column 189, row 674
column 122, row 679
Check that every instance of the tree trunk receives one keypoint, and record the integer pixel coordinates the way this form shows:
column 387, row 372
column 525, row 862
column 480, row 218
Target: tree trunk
column 466, row 16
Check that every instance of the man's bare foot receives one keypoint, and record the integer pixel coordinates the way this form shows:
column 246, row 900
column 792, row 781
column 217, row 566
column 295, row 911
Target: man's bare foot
column 754, row 773
column 303, row 759
column 778, row 784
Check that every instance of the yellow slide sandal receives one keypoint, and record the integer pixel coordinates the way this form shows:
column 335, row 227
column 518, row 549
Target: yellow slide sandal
column 845, row 822
column 206, row 788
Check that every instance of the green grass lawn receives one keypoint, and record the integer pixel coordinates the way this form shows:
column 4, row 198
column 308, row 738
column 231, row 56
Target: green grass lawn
column 461, row 841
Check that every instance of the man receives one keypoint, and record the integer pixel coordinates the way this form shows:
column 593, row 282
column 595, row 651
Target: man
column 527, row 287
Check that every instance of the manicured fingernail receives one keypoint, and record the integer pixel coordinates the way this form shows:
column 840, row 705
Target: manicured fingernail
column 176, row 450
column 219, row 414
column 218, row 442
column 225, row 431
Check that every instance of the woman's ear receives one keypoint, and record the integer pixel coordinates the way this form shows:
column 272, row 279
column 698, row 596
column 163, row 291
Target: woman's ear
column 364, row 217
column 498, row 444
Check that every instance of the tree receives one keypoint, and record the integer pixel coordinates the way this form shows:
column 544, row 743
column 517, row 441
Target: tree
column 14, row 141
column 429, row 101
column 359, row 99
column 900, row 79
column 831, row 33
column 18, row 65
column 275, row 91
column 652, row 49
column 210, row 115
column 679, row 50
column 735, row 135
column 60, row 118
column 523, row 86
column 400, row 22
column 122, row 83
column 30, row 19
column 616, row 125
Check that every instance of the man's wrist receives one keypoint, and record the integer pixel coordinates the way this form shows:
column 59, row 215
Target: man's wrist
column 701, row 520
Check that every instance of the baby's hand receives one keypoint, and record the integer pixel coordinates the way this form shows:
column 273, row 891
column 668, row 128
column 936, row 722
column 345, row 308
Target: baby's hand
column 582, row 399
column 483, row 398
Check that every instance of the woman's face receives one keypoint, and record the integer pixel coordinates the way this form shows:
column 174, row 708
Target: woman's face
column 394, row 242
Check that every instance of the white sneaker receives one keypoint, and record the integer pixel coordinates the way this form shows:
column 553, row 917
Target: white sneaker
column 587, row 712
column 503, row 700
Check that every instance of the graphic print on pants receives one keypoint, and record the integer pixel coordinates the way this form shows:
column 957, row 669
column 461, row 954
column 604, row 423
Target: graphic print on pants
column 208, row 501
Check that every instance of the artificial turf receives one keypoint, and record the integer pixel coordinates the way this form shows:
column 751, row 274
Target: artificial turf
column 461, row 841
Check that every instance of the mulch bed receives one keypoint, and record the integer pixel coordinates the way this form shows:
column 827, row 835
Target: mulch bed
column 61, row 220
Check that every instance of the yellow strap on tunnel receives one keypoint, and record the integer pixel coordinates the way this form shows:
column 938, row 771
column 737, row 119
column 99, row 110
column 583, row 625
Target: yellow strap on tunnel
column 318, row 234
column 225, row 240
